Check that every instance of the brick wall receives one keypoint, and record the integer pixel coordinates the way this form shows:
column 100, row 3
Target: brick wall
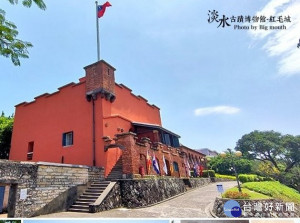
column 134, row 156
column 100, row 75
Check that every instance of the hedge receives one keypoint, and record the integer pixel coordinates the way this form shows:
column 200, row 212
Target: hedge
column 253, row 178
column 210, row 172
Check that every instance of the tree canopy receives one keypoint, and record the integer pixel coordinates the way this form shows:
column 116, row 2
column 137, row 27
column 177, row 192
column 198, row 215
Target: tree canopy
column 224, row 165
column 10, row 45
column 283, row 151
column 6, row 126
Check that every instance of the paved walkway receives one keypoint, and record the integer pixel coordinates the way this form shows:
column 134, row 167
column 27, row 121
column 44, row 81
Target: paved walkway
column 193, row 204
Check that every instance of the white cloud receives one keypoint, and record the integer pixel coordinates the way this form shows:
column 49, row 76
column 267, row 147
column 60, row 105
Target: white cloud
column 228, row 110
column 282, row 43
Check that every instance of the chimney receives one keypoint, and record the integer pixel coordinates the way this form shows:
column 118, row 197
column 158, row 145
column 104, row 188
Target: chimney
column 100, row 80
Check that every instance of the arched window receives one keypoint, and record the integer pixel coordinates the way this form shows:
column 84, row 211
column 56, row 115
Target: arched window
column 175, row 166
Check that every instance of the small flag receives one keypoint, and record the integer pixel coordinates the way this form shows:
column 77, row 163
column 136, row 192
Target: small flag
column 171, row 165
column 148, row 162
column 195, row 170
column 188, row 164
column 171, row 168
column 201, row 170
column 155, row 164
column 165, row 166
column 187, row 168
column 102, row 8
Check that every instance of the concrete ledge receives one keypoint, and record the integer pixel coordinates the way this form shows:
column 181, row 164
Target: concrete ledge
column 61, row 164
column 109, row 199
column 104, row 194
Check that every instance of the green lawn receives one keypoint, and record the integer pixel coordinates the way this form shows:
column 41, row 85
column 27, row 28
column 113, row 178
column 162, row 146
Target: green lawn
column 269, row 189
column 253, row 195
column 274, row 189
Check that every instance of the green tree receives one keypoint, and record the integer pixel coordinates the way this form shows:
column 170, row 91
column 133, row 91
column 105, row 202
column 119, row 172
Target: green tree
column 6, row 126
column 291, row 178
column 270, row 146
column 10, row 45
column 224, row 165
column 292, row 151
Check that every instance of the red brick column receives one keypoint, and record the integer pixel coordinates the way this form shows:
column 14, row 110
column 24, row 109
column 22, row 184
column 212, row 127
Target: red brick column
column 130, row 155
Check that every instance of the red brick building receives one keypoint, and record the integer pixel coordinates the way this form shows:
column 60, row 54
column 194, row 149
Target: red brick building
column 97, row 122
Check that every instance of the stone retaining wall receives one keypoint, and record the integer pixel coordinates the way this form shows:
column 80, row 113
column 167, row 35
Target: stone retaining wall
column 197, row 182
column 42, row 183
column 141, row 193
column 267, row 208
column 144, row 192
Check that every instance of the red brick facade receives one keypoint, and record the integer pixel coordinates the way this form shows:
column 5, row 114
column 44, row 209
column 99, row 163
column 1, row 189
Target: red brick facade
column 135, row 150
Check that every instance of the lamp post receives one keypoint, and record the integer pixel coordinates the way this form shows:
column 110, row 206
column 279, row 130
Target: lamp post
column 232, row 154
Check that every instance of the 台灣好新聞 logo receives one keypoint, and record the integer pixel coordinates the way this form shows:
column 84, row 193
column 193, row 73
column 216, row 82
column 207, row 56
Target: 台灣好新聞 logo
column 232, row 209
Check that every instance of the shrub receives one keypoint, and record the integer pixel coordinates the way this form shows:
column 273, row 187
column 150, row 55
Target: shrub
column 225, row 176
column 210, row 172
column 243, row 178
column 236, row 195
column 253, row 178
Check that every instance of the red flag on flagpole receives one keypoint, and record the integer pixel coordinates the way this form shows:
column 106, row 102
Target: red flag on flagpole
column 102, row 8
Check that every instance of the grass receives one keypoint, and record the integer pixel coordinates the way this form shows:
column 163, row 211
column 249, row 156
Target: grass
column 275, row 190
column 253, row 195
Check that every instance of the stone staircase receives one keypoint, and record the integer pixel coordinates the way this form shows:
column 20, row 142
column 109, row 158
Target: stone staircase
column 89, row 196
column 116, row 172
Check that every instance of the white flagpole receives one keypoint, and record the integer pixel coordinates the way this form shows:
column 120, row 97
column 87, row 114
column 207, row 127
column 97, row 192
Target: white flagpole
column 98, row 40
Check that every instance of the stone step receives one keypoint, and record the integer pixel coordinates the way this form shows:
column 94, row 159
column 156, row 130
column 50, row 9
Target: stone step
column 104, row 184
column 98, row 186
column 78, row 210
column 93, row 190
column 84, row 203
column 116, row 170
column 91, row 194
column 89, row 197
column 80, row 207
column 86, row 200
column 114, row 175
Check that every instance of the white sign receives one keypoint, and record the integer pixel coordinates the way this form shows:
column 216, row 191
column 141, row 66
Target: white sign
column 23, row 194
column 220, row 188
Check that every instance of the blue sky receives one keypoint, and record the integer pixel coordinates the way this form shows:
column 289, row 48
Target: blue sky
column 212, row 84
